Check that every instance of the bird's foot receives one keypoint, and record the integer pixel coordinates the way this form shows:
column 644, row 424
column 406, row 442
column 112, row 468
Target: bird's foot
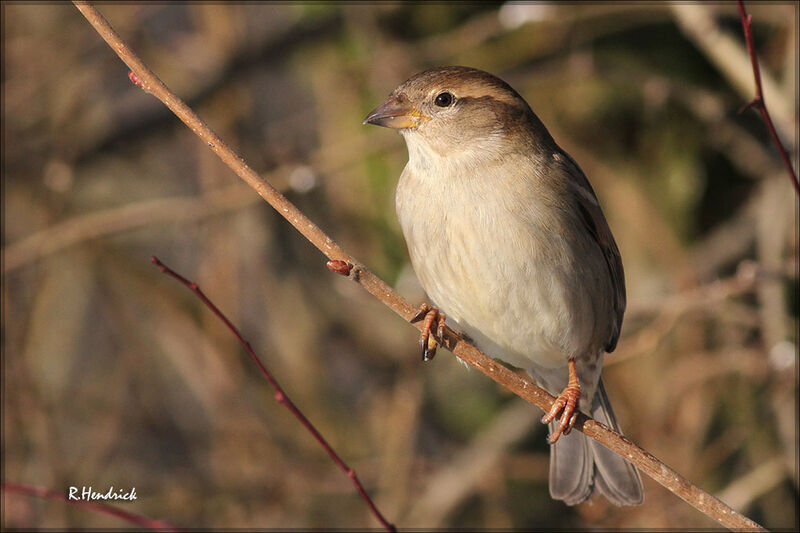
column 427, row 339
column 567, row 405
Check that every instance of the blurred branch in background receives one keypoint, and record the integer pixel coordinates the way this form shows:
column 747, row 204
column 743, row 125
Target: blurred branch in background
column 698, row 24
column 758, row 101
column 755, row 483
column 125, row 218
column 669, row 311
column 454, row 482
column 280, row 395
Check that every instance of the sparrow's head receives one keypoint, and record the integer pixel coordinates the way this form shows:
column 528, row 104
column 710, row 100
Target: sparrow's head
column 456, row 108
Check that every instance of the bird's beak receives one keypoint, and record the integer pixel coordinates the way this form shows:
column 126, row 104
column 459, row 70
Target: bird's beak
column 395, row 113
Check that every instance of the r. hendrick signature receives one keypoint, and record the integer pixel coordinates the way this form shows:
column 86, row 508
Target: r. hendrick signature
column 87, row 494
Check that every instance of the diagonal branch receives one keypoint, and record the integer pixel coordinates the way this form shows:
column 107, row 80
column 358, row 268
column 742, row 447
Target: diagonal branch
column 523, row 387
column 280, row 396
column 758, row 102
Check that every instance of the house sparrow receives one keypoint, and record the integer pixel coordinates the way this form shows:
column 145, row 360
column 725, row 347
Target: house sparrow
column 507, row 237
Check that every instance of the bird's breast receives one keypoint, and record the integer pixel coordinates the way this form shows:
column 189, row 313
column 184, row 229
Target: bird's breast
column 490, row 254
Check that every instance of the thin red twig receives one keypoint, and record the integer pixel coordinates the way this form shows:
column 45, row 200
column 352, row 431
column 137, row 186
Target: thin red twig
column 758, row 101
column 133, row 518
column 280, row 395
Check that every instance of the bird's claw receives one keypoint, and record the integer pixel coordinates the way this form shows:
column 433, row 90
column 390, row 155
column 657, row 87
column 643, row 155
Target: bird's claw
column 428, row 341
column 567, row 405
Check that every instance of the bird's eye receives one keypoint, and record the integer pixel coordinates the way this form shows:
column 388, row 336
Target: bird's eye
column 444, row 99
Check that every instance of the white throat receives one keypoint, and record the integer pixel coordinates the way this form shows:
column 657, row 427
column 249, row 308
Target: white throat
column 425, row 156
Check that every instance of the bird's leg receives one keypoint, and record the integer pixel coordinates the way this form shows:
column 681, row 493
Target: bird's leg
column 566, row 404
column 427, row 340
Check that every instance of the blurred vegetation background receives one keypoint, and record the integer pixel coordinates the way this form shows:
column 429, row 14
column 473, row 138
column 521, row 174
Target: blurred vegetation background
column 114, row 375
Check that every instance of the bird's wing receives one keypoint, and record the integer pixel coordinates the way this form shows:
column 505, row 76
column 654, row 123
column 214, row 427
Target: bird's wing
column 592, row 216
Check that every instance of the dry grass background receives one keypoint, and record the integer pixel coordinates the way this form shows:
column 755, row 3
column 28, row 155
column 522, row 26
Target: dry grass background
column 114, row 375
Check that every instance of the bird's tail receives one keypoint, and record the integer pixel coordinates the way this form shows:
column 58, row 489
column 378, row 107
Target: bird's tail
column 578, row 463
